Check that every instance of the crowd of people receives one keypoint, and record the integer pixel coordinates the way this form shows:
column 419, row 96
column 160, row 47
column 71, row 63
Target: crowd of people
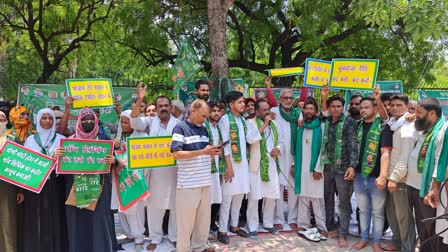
column 238, row 161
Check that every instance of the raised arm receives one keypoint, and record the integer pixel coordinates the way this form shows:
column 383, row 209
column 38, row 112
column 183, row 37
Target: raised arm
column 270, row 95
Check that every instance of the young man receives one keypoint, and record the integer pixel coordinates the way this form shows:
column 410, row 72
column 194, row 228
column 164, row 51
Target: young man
column 202, row 90
column 192, row 151
column 250, row 108
column 233, row 128
column 263, row 170
column 375, row 143
column 307, row 173
column 355, row 103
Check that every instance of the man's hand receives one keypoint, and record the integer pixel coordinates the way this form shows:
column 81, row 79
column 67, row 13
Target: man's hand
column 349, row 174
column 68, row 103
column 291, row 171
column 20, row 197
column 324, row 91
column 267, row 119
column 275, row 152
column 410, row 117
column 211, row 150
column 432, row 198
column 58, row 152
column 317, row 175
column 268, row 81
column 117, row 106
column 377, row 93
column 110, row 159
column 392, row 186
column 228, row 175
column 141, row 91
column 273, row 114
column 299, row 122
column 380, row 182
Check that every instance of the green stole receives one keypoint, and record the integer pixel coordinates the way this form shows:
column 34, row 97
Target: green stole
column 443, row 159
column 264, row 162
column 426, row 157
column 371, row 146
column 221, row 161
column 292, row 117
column 44, row 149
column 316, row 143
column 235, row 137
column 338, row 145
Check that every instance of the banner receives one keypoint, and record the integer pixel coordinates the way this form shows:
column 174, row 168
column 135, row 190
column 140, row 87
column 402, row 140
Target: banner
column 149, row 152
column 260, row 93
column 93, row 93
column 130, row 185
column 84, row 156
column 24, row 167
column 441, row 95
column 317, row 72
column 39, row 96
column 187, row 64
column 285, row 72
column 353, row 73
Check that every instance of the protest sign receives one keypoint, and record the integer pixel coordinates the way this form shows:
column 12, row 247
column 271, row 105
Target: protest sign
column 441, row 95
column 260, row 93
column 285, row 72
column 24, row 167
column 93, row 93
column 317, row 72
column 130, row 185
column 353, row 73
column 149, row 152
column 84, row 156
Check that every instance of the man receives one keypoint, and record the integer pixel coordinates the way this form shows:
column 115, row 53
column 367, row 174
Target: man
column 263, row 170
column 339, row 157
column 162, row 182
column 411, row 106
column 398, row 212
column 375, row 143
column 250, row 108
column 192, row 151
column 307, row 174
column 202, row 90
column 150, row 110
column 385, row 99
column 355, row 102
column 218, row 165
column 236, row 176
column 429, row 121
column 178, row 109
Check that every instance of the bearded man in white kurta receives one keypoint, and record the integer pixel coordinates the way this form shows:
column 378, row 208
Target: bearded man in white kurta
column 263, row 172
column 233, row 128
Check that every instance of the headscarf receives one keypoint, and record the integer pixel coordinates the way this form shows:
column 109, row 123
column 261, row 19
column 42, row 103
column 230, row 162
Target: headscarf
column 3, row 132
column 126, row 113
column 21, row 126
column 46, row 135
column 79, row 133
column 6, row 111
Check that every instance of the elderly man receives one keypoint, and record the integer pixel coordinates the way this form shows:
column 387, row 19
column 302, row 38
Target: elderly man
column 178, row 109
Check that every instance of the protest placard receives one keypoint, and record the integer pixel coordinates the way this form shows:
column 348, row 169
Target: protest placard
column 94, row 93
column 84, row 156
column 149, row 152
column 353, row 73
column 24, row 167
column 317, row 72
column 394, row 87
column 441, row 95
column 261, row 93
column 285, row 72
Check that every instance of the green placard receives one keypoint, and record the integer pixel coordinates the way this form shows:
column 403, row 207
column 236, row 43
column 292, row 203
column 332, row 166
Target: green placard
column 441, row 95
column 84, row 156
column 24, row 167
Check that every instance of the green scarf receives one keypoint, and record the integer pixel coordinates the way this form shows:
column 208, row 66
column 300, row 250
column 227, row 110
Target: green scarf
column 264, row 162
column 336, row 162
column 426, row 157
column 371, row 146
column 292, row 117
column 87, row 188
column 235, row 137
column 221, row 161
column 443, row 160
column 316, row 143
column 44, row 149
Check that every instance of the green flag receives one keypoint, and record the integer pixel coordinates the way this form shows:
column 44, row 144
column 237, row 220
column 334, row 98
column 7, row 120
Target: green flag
column 187, row 64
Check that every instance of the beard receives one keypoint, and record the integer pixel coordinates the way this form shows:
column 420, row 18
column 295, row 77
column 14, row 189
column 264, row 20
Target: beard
column 421, row 124
column 354, row 112
column 204, row 97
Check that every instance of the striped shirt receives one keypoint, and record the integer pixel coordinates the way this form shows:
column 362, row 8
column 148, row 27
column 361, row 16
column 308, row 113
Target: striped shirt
column 192, row 172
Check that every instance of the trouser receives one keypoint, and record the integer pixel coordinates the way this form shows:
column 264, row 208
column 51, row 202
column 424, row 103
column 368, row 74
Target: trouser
column 371, row 202
column 268, row 213
column 334, row 181
column 155, row 217
column 133, row 225
column 401, row 218
column 214, row 215
column 293, row 205
column 230, row 209
column 304, row 217
column 193, row 215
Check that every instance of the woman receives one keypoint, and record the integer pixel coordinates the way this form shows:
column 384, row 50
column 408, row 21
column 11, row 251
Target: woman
column 89, row 227
column 20, row 119
column 8, row 205
column 43, row 217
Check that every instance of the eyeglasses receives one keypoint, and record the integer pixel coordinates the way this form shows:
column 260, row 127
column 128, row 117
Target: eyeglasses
column 86, row 111
column 287, row 97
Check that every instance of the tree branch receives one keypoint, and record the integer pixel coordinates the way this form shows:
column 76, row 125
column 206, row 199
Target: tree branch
column 240, row 34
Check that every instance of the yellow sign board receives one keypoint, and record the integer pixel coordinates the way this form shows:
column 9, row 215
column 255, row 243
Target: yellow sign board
column 353, row 73
column 317, row 72
column 149, row 152
column 93, row 93
column 284, row 72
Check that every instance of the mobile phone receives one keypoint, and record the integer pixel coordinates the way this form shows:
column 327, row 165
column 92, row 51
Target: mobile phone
column 224, row 144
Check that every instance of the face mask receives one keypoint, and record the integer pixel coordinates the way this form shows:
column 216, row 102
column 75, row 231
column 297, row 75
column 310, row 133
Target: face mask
column 21, row 122
column 2, row 127
column 88, row 127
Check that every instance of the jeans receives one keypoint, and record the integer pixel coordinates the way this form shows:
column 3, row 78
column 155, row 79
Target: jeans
column 371, row 203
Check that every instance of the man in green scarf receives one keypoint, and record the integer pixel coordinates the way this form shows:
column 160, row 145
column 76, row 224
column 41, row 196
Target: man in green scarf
column 421, row 167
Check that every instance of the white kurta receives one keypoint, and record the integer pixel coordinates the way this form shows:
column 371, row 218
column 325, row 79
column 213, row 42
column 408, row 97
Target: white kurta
column 32, row 144
column 258, row 188
column 215, row 187
column 285, row 158
column 443, row 223
column 310, row 187
column 240, row 181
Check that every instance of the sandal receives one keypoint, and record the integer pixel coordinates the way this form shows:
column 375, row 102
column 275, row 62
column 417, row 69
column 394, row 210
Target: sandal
column 318, row 234
column 309, row 235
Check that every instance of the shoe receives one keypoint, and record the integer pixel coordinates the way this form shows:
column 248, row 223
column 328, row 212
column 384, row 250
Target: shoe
column 272, row 230
column 318, row 234
column 212, row 236
column 151, row 247
column 309, row 235
column 240, row 233
column 253, row 235
column 223, row 238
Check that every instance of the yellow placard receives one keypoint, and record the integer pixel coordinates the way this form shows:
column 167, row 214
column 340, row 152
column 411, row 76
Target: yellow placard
column 283, row 72
column 353, row 73
column 317, row 72
column 93, row 93
column 149, row 152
